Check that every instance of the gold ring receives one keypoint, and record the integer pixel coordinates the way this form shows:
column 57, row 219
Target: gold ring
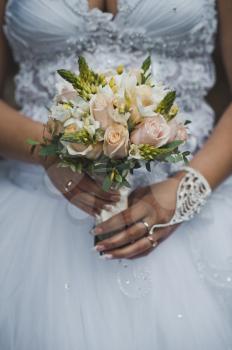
column 152, row 241
column 68, row 186
column 146, row 225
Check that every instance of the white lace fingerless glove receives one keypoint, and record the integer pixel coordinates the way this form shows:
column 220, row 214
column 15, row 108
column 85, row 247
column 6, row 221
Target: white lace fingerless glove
column 192, row 194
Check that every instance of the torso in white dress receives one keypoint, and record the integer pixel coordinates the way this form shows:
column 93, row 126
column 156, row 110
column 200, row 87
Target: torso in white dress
column 55, row 292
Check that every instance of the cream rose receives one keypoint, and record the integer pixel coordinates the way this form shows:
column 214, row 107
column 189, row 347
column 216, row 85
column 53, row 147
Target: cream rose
column 101, row 108
column 116, row 142
column 152, row 131
column 87, row 151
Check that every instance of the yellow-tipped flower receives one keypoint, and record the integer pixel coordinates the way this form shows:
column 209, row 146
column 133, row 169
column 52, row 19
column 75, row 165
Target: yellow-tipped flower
column 112, row 82
column 66, row 106
column 173, row 111
column 120, row 69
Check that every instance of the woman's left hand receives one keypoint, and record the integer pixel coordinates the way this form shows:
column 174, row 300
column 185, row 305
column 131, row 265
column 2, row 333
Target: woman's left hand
column 154, row 204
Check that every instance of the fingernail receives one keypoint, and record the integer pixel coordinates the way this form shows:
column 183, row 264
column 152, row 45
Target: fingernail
column 108, row 207
column 96, row 230
column 99, row 248
column 106, row 256
column 94, row 249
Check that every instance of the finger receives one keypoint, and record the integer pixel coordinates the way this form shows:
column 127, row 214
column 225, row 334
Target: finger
column 64, row 179
column 132, row 250
column 121, row 239
column 87, row 184
column 121, row 220
column 143, row 254
column 85, row 187
column 67, row 181
column 96, row 210
column 128, row 235
column 86, row 209
column 158, row 237
column 88, row 200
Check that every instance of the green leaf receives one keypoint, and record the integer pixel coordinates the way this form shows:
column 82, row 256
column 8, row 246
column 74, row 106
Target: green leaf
column 150, row 153
column 146, row 65
column 80, row 136
column 145, row 75
column 187, row 122
column 174, row 158
column 107, row 183
column 69, row 77
column 32, row 142
column 118, row 178
column 48, row 150
column 125, row 183
column 125, row 172
column 172, row 145
column 83, row 68
column 166, row 104
column 185, row 155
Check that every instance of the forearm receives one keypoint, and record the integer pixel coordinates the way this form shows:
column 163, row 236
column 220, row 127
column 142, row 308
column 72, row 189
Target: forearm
column 214, row 160
column 15, row 129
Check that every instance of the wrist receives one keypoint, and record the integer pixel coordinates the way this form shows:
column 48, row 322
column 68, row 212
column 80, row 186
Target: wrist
column 192, row 193
column 39, row 134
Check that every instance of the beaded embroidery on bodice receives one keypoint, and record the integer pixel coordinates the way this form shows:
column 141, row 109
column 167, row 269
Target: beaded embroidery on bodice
column 48, row 35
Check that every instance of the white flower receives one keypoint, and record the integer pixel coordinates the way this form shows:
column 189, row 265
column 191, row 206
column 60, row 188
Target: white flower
column 121, row 118
column 87, row 151
column 158, row 93
column 73, row 121
column 60, row 112
column 91, row 125
column 148, row 98
column 134, row 152
column 73, row 152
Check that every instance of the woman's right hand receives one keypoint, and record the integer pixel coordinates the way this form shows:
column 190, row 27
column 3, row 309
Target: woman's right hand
column 80, row 189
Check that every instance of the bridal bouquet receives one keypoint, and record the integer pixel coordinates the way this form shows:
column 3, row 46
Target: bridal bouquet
column 110, row 123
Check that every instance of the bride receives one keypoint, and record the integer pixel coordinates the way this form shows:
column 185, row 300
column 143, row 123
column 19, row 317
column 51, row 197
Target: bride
column 169, row 289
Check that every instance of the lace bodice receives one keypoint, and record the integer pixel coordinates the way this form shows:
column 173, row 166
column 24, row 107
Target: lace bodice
column 47, row 35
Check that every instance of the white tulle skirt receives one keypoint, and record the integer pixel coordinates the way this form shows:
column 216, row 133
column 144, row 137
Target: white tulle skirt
column 57, row 294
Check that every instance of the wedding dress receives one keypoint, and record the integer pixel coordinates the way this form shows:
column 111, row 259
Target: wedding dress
column 56, row 293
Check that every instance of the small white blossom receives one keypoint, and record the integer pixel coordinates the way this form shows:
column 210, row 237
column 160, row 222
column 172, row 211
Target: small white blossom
column 134, row 152
column 60, row 112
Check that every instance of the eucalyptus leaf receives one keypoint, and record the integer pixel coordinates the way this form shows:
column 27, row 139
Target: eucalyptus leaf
column 174, row 158
column 32, row 142
column 118, row 178
column 48, row 150
column 107, row 183
column 172, row 145
column 126, row 183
